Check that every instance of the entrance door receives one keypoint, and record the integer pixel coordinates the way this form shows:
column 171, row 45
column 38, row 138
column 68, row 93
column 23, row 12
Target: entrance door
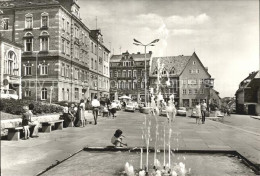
column 251, row 110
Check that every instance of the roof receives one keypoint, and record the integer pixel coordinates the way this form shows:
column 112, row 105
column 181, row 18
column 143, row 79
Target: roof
column 24, row 3
column 245, row 83
column 136, row 57
column 179, row 63
column 3, row 39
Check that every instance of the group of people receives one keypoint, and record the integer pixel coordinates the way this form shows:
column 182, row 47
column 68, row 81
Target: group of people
column 201, row 109
column 74, row 114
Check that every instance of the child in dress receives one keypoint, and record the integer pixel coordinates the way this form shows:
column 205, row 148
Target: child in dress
column 198, row 113
column 117, row 139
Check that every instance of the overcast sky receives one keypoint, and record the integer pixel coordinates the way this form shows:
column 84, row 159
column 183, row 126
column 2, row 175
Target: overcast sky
column 224, row 34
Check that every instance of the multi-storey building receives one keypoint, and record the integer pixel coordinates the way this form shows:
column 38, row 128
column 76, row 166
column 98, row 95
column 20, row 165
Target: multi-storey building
column 190, row 80
column 127, row 73
column 99, row 65
column 56, row 50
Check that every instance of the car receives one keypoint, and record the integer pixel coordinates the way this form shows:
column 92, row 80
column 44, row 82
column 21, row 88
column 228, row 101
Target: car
column 130, row 107
column 181, row 111
column 119, row 106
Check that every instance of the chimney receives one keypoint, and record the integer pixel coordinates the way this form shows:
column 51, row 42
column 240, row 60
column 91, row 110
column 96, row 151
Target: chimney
column 150, row 52
column 207, row 69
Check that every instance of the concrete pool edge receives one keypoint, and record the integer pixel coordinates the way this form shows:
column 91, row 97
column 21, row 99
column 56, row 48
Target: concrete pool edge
column 248, row 163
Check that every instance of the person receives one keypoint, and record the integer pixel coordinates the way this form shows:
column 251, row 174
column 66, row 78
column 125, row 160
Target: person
column 95, row 105
column 170, row 109
column 36, row 123
column 198, row 113
column 26, row 118
column 113, row 108
column 81, row 110
column 71, row 116
column 124, row 104
column 65, row 111
column 203, row 107
column 117, row 139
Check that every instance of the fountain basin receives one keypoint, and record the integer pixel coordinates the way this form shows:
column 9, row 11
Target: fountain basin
column 109, row 161
column 145, row 110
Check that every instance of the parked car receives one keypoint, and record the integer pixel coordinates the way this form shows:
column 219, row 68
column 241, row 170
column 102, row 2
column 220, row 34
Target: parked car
column 130, row 107
column 181, row 111
column 119, row 106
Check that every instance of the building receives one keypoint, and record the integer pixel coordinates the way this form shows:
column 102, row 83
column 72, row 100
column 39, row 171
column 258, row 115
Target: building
column 10, row 68
column 56, row 50
column 99, row 65
column 127, row 73
column 248, row 95
column 190, row 80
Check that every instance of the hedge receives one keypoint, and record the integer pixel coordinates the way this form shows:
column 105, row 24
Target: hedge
column 13, row 106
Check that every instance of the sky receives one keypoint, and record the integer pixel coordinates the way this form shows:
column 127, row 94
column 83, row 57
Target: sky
column 224, row 34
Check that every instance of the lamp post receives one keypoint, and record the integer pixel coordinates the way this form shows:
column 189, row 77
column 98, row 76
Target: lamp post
column 145, row 79
column 36, row 79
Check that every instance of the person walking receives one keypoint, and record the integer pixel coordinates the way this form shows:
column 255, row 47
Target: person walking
column 81, row 110
column 95, row 105
column 203, row 107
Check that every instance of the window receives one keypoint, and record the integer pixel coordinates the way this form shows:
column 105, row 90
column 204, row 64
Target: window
column 44, row 94
column 129, row 84
column 28, row 70
column 124, row 74
column 134, row 74
column 96, row 65
column 45, row 19
column 11, row 64
column 184, row 91
column 195, row 91
column 29, row 21
column 5, row 23
column 92, row 47
column 76, row 76
column 68, row 26
column 192, row 81
column 67, row 71
column 197, row 71
column 164, row 71
column 126, row 85
column 68, row 48
column 122, row 85
column 172, row 71
column 83, row 37
column 28, row 42
column 68, row 94
column 116, row 74
column 76, row 32
column 194, row 102
column 28, row 93
column 111, row 74
column 63, row 46
column 201, row 91
column 184, row 81
column 44, row 41
column 62, row 69
column 142, row 85
column 43, row 69
column 129, row 73
column 76, row 54
column 134, row 85
column 190, row 91
column 186, row 102
column 194, row 62
column 63, row 93
column 92, row 63
column 63, row 24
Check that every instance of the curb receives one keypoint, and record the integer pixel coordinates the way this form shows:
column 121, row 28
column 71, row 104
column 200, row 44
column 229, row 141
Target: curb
column 255, row 117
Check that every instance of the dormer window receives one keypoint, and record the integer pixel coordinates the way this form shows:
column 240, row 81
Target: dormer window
column 172, row 71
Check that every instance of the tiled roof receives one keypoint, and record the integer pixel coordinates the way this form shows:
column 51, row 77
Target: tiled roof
column 136, row 57
column 179, row 63
column 243, row 84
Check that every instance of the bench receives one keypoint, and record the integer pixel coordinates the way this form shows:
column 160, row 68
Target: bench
column 14, row 133
column 47, row 126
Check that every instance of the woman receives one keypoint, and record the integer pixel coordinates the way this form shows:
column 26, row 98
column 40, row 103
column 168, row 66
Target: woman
column 113, row 108
column 198, row 113
column 81, row 112
column 36, row 123
column 71, row 116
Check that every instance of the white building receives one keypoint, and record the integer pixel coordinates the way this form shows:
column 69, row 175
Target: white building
column 10, row 69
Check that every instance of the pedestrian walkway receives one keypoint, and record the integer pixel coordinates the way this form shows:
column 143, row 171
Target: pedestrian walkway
column 30, row 157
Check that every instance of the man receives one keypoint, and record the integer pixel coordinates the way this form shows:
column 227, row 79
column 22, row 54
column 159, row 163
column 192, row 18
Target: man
column 95, row 105
column 36, row 123
column 203, row 110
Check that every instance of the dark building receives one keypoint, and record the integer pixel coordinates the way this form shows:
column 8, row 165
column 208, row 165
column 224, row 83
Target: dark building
column 127, row 73
column 248, row 95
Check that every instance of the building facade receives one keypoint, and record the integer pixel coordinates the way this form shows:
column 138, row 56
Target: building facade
column 10, row 69
column 248, row 95
column 55, row 59
column 190, row 81
column 127, row 74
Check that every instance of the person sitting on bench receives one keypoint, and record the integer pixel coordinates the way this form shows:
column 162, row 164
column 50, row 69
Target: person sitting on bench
column 26, row 118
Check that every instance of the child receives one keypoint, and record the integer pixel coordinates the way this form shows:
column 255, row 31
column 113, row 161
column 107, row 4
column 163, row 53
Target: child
column 117, row 139
column 26, row 118
column 198, row 113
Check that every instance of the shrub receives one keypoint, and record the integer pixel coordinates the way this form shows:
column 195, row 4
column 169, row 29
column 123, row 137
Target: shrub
column 13, row 106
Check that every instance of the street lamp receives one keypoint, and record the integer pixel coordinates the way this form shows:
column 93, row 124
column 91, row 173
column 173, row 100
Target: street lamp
column 138, row 43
